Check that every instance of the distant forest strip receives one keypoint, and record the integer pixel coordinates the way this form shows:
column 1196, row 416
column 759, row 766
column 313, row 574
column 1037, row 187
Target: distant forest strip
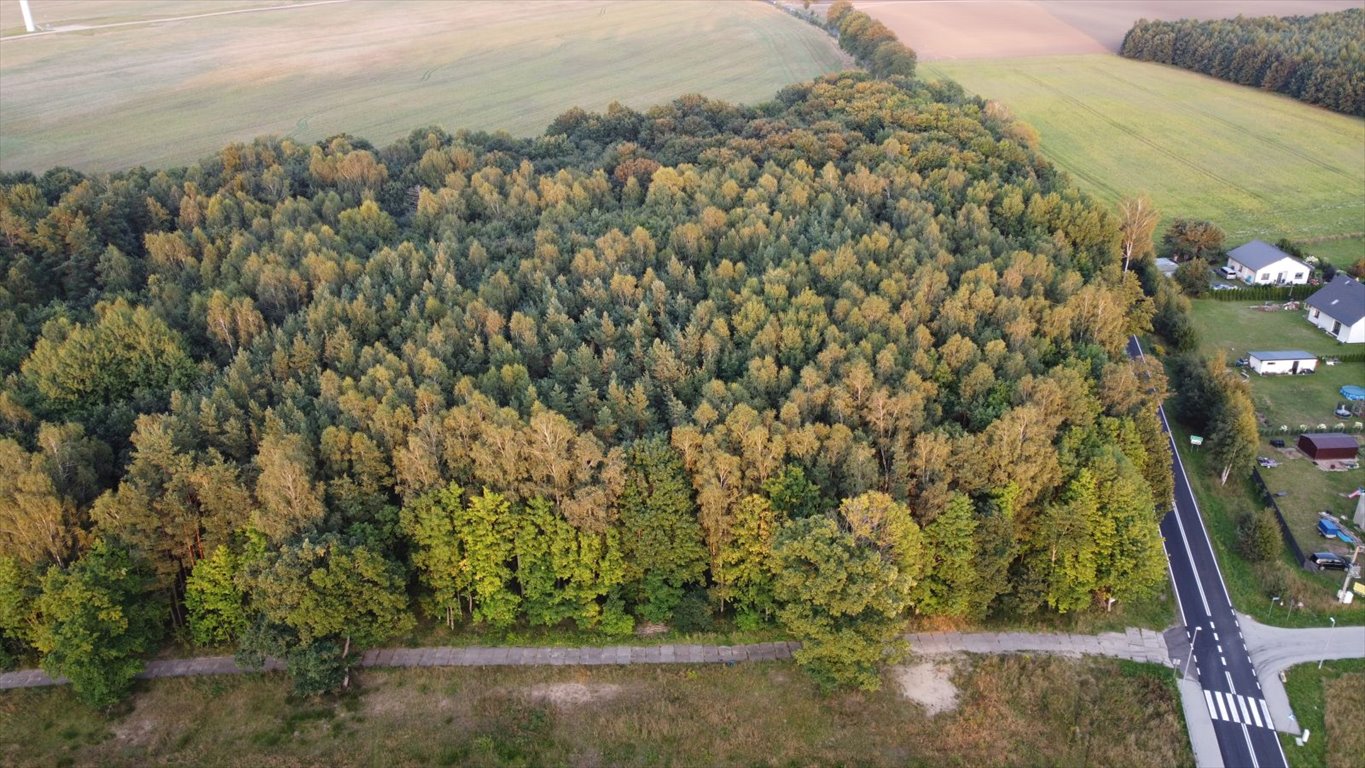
column 875, row 47
column 1317, row 59
column 850, row 355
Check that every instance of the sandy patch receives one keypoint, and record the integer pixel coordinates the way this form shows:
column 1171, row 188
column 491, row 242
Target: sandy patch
column 929, row 684
column 136, row 730
column 572, row 694
column 386, row 702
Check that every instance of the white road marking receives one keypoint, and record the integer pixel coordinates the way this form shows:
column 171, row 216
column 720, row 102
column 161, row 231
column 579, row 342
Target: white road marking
column 1252, row 750
column 1232, row 707
column 1222, row 709
column 1265, row 709
column 1242, row 702
column 1256, row 715
column 1213, row 713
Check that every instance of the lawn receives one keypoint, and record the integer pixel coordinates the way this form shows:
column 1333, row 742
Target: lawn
column 1308, row 491
column 167, row 94
column 1341, row 253
column 1260, row 165
column 1236, row 329
column 1329, row 703
column 1012, row 711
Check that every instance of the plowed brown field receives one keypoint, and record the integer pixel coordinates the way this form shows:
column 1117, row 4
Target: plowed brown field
column 995, row 29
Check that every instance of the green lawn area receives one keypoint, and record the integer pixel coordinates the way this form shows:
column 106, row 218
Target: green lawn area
column 169, row 94
column 1012, row 710
column 1308, row 491
column 1260, row 165
column 1237, row 329
column 1341, row 253
column 1329, row 702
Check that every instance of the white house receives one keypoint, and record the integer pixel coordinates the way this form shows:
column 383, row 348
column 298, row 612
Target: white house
column 1339, row 309
column 1282, row 361
column 1261, row 263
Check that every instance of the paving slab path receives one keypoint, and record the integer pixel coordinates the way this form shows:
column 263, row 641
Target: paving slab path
column 1135, row 644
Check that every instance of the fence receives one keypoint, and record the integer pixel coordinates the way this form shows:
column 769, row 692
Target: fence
column 1284, row 526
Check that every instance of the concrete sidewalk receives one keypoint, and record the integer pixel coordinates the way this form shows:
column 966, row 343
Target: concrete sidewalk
column 1275, row 649
column 1134, row 644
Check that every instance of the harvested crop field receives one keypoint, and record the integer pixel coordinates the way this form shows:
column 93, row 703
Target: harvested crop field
column 1260, row 165
column 978, row 29
column 166, row 93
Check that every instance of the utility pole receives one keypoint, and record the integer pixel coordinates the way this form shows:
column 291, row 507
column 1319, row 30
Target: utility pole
column 28, row 16
column 1332, row 619
column 1345, row 594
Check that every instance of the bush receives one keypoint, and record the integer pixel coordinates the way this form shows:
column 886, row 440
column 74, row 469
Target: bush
column 1193, row 277
column 1258, row 536
column 693, row 614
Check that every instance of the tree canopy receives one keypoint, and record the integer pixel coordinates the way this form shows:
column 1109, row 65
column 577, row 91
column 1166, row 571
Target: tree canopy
column 582, row 377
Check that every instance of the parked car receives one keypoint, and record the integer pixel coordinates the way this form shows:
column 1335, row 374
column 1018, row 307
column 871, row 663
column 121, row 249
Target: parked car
column 1277, row 443
column 1227, row 272
column 1266, row 461
column 1224, row 287
column 1328, row 561
column 1241, row 362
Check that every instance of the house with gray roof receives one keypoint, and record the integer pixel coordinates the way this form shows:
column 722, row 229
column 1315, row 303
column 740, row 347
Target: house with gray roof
column 1260, row 263
column 1339, row 309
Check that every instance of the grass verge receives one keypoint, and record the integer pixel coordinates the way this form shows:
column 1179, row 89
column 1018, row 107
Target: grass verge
column 1329, row 703
column 1012, row 710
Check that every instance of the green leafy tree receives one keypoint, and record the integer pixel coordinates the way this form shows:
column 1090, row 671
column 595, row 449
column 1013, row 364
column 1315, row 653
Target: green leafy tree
column 950, row 578
column 1259, row 536
column 96, row 622
column 19, row 588
column 432, row 525
column 744, row 573
column 128, row 355
column 660, row 536
column 324, row 599
column 1235, row 435
column 792, row 495
column 215, row 603
column 486, row 533
column 844, row 583
column 1061, row 560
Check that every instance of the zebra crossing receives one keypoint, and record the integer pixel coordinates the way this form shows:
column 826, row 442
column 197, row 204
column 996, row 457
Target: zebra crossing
column 1235, row 708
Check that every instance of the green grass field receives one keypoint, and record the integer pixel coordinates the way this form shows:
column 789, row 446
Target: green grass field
column 1011, row 711
column 1236, row 328
column 166, row 94
column 1255, row 163
column 1340, row 253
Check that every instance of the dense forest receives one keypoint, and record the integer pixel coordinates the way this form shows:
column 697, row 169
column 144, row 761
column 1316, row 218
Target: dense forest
column 826, row 362
column 1318, row 59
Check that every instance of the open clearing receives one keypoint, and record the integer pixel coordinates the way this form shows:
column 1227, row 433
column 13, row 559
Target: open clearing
column 974, row 29
column 1011, row 711
column 1329, row 702
column 1257, row 164
column 169, row 93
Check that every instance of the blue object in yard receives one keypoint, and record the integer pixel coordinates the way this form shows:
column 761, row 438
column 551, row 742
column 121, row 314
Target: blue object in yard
column 1352, row 392
column 1346, row 537
column 1329, row 529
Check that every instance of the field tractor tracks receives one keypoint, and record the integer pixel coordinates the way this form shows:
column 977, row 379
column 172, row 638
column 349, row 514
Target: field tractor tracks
column 1234, row 127
column 1137, row 136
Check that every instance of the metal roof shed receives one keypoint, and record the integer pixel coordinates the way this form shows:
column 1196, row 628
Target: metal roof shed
column 1328, row 446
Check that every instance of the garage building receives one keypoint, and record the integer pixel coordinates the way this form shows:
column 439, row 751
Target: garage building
column 1329, row 446
column 1282, row 361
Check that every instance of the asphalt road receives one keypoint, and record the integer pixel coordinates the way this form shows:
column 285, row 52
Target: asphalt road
column 1222, row 665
